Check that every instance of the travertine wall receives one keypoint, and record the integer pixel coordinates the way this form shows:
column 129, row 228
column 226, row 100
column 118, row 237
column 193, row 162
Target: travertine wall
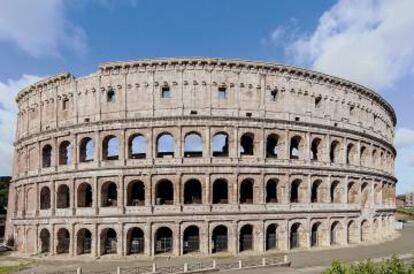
column 324, row 177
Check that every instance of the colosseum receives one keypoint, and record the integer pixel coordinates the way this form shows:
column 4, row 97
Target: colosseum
column 200, row 156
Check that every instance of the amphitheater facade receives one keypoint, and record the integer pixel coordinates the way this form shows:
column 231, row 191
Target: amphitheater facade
column 200, row 156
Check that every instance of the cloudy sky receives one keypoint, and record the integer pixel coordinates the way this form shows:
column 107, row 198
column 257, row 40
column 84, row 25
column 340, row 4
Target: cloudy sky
column 368, row 41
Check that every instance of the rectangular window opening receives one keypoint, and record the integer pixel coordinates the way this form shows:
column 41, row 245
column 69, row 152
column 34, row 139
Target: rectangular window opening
column 222, row 92
column 165, row 92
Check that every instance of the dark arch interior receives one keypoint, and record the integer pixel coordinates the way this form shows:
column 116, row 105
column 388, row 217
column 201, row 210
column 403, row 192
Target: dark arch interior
column 164, row 193
column 109, row 195
column 108, row 241
column 63, row 241
column 63, row 198
column 219, row 239
column 191, row 239
column 135, row 241
column 136, row 194
column 220, row 192
column 84, row 195
column 84, row 242
column 246, row 238
column 247, row 144
column 163, row 240
column 271, row 191
column 192, row 192
column 246, row 192
column 271, row 237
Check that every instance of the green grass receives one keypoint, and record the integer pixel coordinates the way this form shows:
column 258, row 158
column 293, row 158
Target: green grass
column 13, row 268
column 406, row 210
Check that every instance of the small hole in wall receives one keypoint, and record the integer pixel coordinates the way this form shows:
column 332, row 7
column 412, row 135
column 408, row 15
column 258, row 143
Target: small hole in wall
column 297, row 119
column 335, row 124
column 87, row 120
column 248, row 114
column 193, row 112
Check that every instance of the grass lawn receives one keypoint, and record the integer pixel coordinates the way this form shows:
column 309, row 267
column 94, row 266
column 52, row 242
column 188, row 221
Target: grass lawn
column 12, row 268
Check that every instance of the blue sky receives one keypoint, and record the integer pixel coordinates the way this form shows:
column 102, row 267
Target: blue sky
column 370, row 42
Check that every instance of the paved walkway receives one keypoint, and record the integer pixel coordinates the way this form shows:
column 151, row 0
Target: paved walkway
column 309, row 262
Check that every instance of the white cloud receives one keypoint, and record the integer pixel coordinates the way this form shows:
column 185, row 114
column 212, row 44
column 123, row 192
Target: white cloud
column 370, row 42
column 404, row 137
column 8, row 91
column 39, row 27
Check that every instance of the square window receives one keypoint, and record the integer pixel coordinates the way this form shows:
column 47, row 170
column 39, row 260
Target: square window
column 110, row 96
column 165, row 92
column 222, row 92
column 65, row 103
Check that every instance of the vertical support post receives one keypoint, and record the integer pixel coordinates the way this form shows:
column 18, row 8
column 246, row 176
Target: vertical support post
column 240, row 264
column 154, row 267
column 185, row 267
column 79, row 270
column 118, row 270
column 263, row 261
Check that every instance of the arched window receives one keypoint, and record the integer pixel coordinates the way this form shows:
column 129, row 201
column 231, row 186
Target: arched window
column 335, row 196
column 83, row 241
column 350, row 154
column 220, row 192
column 44, row 240
column 316, row 196
column 86, row 150
column 374, row 158
column 137, row 147
column 63, row 198
column 352, row 232
column 296, row 231
column 316, row 234
column 220, row 144
column 193, row 145
column 246, row 192
column 364, row 194
column 271, row 237
column 109, row 194
column 315, row 149
column 63, row 241
column 108, row 241
column 352, row 193
column 136, row 194
column 84, row 195
column 110, row 148
column 272, row 146
column 246, row 238
column 47, row 156
column 334, row 152
column 164, row 193
column 163, row 240
column 363, row 157
column 191, row 239
column 294, row 191
column 271, row 191
column 45, row 198
column 294, row 147
column 219, row 239
column 65, row 153
column 247, row 144
column 192, row 192
column 135, row 241
column 365, row 231
column 336, row 229
column 165, row 145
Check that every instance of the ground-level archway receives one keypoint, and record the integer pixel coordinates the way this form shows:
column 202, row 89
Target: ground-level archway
column 271, row 237
column 83, row 241
column 219, row 239
column 246, row 238
column 44, row 241
column 135, row 241
column 191, row 239
column 163, row 240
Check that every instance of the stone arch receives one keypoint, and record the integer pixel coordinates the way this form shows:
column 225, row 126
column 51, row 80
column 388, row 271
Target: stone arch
column 297, row 236
column 163, row 240
column 108, row 241
column 365, row 231
column 272, row 150
column 31, row 236
column 220, row 191
column 84, row 195
column 65, row 153
column 246, row 238
column 47, row 156
column 192, row 192
column 272, row 193
column 374, row 157
column 109, row 194
column 137, row 146
column 352, row 193
column 246, row 191
column 247, row 144
column 364, row 194
column 352, row 232
column 164, row 192
column 376, row 229
column 334, row 151
column 335, row 192
column 295, row 145
column 45, row 198
column 363, row 156
column 63, row 241
column 315, row 153
column 136, row 193
column 272, row 241
column 44, row 239
column 219, row 239
column 220, row 144
column 317, row 193
column 165, row 145
column 193, row 145
column 316, row 235
column 83, row 241
column 135, row 241
column 377, row 194
column 191, row 239
column 86, row 150
column 336, row 231
column 110, row 148
column 351, row 154
column 297, row 193
column 63, row 196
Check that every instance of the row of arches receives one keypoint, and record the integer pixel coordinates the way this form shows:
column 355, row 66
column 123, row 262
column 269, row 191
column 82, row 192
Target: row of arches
column 193, row 193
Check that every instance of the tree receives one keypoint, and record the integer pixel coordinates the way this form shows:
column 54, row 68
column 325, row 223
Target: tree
column 4, row 193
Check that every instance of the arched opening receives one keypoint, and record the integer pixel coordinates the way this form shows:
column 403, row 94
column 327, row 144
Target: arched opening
column 374, row 158
column 334, row 152
column 163, row 240
column 86, row 150
column 108, row 241
column 271, row 191
column 63, row 241
column 219, row 239
column 272, row 146
column 45, row 198
column 364, row 195
column 246, row 192
column 165, row 145
column 192, row 192
column 137, row 147
column 63, row 197
column 295, row 191
column 271, row 237
column 365, row 231
column 220, row 144
column 136, row 194
column 164, row 193
column 315, row 234
column 83, row 242
column 109, row 194
column 247, row 144
column 352, row 193
column 316, row 196
column 220, row 192
column 295, row 236
column 110, row 148
column 47, row 156
column 335, row 233
column 44, row 241
column 294, row 147
column 246, row 238
column 135, row 241
column 352, row 233
column 84, row 195
column 191, row 240
column 193, row 145
column 335, row 195
column 363, row 156
column 315, row 149
column 65, row 153
column 350, row 154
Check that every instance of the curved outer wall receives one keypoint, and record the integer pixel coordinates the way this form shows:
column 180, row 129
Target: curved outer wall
column 326, row 178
